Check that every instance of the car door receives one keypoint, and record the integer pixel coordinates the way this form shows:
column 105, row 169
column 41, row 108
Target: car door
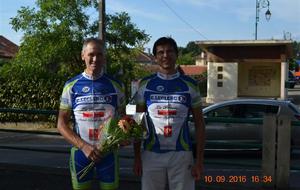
column 234, row 126
column 219, row 128
column 247, row 130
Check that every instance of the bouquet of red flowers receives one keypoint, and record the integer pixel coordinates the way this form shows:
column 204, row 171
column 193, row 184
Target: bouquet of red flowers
column 112, row 134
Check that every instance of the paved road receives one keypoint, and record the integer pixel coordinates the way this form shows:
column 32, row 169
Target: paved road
column 40, row 162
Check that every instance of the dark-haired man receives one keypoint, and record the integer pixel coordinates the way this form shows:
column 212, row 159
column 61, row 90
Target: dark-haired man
column 168, row 97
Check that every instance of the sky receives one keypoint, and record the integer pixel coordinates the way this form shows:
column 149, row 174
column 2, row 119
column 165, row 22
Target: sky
column 189, row 20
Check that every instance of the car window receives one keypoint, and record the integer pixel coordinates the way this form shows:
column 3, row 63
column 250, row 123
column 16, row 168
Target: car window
column 239, row 111
column 258, row 111
column 243, row 111
column 225, row 111
column 293, row 107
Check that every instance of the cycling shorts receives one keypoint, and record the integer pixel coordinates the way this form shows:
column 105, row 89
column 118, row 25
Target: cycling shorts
column 106, row 171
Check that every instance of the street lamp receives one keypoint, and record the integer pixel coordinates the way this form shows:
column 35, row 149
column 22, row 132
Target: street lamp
column 259, row 5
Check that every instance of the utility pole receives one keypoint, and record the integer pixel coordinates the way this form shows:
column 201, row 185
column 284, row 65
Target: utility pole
column 101, row 7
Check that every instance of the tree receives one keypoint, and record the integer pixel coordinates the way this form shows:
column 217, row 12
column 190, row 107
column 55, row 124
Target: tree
column 51, row 46
column 187, row 55
column 193, row 48
column 53, row 34
column 186, row 59
column 296, row 49
column 125, row 41
column 296, row 56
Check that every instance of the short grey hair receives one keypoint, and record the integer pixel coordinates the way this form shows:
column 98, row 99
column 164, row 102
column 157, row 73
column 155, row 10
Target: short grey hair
column 92, row 40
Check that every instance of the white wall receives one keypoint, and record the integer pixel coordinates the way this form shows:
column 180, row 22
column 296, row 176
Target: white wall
column 228, row 79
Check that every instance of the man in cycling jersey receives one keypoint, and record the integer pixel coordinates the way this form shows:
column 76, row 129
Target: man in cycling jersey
column 168, row 97
column 91, row 98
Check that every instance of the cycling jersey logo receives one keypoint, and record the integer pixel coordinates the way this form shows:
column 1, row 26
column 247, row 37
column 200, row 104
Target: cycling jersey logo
column 168, row 131
column 92, row 114
column 167, row 112
column 93, row 99
column 167, row 98
column 94, row 134
column 85, row 89
column 108, row 99
column 160, row 88
column 182, row 99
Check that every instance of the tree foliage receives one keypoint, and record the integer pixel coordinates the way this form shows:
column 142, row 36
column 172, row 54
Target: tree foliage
column 296, row 56
column 125, row 41
column 53, row 34
column 187, row 55
column 192, row 48
column 50, row 51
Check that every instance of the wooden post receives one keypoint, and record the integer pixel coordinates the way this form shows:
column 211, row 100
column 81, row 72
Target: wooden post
column 269, row 148
column 283, row 152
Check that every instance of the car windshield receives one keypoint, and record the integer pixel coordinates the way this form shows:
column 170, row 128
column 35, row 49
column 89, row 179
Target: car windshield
column 294, row 108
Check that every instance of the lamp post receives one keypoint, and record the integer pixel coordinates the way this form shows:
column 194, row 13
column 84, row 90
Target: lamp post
column 259, row 5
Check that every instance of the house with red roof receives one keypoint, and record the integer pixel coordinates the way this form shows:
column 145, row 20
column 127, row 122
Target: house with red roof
column 8, row 49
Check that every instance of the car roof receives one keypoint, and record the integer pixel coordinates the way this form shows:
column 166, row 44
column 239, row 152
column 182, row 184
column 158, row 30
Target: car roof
column 249, row 101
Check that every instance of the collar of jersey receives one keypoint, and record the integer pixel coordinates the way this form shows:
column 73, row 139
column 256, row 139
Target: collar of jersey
column 168, row 77
column 90, row 77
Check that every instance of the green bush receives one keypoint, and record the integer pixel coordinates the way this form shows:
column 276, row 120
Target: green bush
column 29, row 87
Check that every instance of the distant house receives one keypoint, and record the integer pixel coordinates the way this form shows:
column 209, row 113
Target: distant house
column 144, row 58
column 8, row 49
column 149, row 64
column 193, row 70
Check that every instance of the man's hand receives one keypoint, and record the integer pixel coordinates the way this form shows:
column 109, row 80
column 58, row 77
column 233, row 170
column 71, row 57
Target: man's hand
column 91, row 152
column 125, row 143
column 197, row 171
column 137, row 166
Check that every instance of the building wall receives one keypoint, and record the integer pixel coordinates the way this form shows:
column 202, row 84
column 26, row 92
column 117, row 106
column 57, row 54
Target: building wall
column 247, row 79
column 259, row 79
column 222, row 81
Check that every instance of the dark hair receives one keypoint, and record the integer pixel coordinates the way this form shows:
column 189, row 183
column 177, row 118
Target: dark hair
column 163, row 41
column 92, row 40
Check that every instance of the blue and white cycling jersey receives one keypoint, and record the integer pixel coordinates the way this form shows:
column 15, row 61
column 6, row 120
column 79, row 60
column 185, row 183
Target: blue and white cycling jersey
column 168, row 99
column 92, row 101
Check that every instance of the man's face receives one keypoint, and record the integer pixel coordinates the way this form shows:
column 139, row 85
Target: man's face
column 166, row 57
column 93, row 57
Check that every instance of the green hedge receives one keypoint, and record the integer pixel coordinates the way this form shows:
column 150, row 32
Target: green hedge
column 27, row 87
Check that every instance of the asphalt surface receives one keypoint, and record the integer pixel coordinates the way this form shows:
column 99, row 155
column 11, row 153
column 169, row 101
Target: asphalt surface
column 40, row 162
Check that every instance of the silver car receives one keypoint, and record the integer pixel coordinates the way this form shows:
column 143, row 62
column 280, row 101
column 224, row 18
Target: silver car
column 237, row 124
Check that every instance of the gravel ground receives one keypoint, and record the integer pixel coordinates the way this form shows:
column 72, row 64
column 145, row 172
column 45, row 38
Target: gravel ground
column 29, row 126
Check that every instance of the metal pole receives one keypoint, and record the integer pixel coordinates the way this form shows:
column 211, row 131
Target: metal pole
column 101, row 7
column 256, row 18
column 259, row 5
